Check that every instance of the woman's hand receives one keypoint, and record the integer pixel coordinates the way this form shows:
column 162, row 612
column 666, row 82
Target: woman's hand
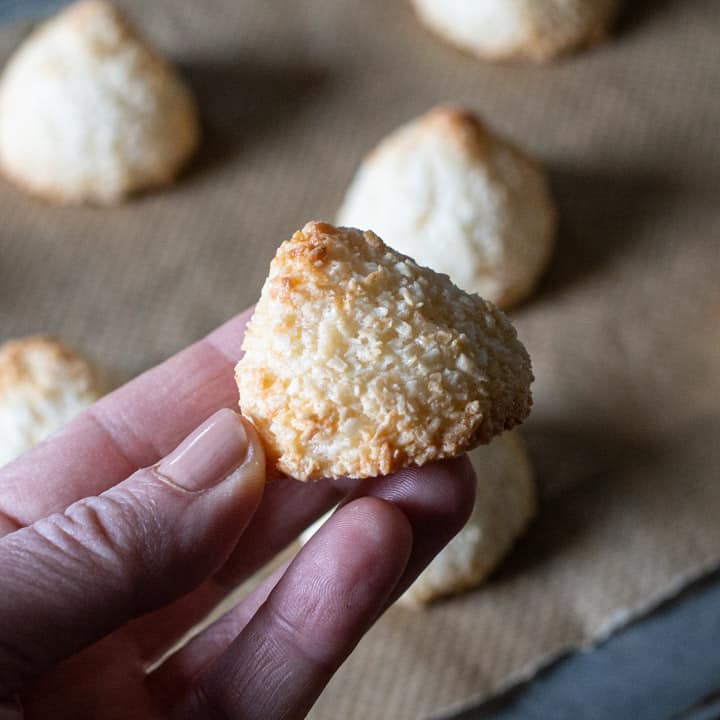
column 115, row 541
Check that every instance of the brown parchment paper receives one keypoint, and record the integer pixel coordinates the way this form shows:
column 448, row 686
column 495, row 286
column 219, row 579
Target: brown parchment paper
column 624, row 332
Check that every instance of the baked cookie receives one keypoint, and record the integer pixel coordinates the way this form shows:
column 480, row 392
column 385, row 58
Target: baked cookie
column 89, row 113
column 43, row 385
column 359, row 362
column 450, row 193
column 536, row 30
column 505, row 502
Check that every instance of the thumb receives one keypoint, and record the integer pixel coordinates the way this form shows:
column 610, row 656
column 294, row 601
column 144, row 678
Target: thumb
column 73, row 577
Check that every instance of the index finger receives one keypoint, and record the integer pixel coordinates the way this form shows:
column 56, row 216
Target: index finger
column 131, row 428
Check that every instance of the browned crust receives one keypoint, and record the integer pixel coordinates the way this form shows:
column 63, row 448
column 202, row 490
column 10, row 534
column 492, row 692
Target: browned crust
column 465, row 408
column 538, row 50
column 55, row 195
column 475, row 140
column 14, row 370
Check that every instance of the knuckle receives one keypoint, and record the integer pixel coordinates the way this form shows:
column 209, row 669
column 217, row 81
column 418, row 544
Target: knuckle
column 292, row 638
column 99, row 539
column 59, row 562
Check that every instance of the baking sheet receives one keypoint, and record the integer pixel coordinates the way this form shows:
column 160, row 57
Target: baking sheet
column 624, row 333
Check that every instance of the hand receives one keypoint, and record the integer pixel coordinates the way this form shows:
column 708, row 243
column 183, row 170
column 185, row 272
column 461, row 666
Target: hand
column 111, row 549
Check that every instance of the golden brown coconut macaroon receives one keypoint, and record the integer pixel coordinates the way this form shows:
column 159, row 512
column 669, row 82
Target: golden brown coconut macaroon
column 43, row 385
column 359, row 362
column 89, row 113
column 458, row 198
column 535, row 30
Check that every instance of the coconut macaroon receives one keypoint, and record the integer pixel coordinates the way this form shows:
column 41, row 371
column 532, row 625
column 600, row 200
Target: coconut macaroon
column 43, row 385
column 89, row 113
column 359, row 362
column 450, row 193
column 535, row 30
column 505, row 502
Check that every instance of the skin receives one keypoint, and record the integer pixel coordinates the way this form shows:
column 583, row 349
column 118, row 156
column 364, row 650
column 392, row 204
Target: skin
column 107, row 558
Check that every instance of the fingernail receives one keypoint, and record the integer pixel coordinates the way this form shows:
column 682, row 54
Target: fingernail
column 209, row 455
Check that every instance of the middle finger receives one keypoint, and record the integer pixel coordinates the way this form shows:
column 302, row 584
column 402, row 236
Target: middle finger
column 287, row 508
column 435, row 499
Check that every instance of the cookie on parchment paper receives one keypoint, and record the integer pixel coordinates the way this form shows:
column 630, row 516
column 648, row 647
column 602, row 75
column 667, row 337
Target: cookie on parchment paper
column 43, row 385
column 505, row 502
column 457, row 197
column 534, row 30
column 89, row 113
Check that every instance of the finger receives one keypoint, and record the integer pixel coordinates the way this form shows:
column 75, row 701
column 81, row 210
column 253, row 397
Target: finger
column 287, row 508
column 70, row 579
column 181, row 670
column 436, row 499
column 129, row 429
column 312, row 619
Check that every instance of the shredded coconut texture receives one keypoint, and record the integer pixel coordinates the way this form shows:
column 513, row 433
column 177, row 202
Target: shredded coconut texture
column 359, row 362
column 450, row 193
column 43, row 385
column 535, row 30
column 89, row 113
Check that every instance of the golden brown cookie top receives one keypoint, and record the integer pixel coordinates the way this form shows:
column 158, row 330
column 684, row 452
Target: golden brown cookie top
column 534, row 30
column 461, row 199
column 43, row 384
column 359, row 362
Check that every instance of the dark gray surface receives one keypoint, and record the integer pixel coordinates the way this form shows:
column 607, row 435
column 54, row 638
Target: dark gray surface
column 665, row 667
column 10, row 9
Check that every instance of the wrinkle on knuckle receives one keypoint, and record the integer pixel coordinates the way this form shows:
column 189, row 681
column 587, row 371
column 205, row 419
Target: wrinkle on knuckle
column 265, row 682
column 145, row 515
column 57, row 564
column 97, row 539
column 296, row 639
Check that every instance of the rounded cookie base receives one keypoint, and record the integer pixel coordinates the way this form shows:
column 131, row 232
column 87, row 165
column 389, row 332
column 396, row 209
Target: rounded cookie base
column 358, row 362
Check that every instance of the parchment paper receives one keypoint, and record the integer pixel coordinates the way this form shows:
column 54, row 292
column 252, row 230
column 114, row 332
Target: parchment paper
column 624, row 333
